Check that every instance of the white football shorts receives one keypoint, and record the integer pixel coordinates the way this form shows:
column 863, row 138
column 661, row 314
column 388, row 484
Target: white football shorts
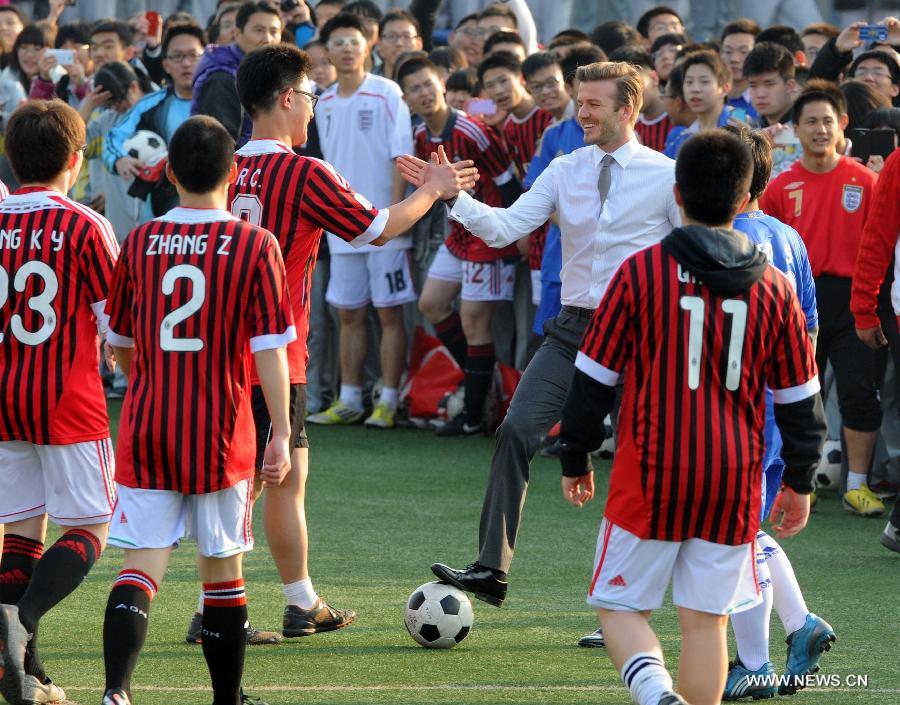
column 221, row 522
column 383, row 279
column 633, row 574
column 72, row 483
column 481, row 281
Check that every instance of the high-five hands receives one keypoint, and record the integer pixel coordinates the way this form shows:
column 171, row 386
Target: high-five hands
column 448, row 177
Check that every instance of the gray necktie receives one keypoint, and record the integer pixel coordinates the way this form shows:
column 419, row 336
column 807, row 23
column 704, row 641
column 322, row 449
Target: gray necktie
column 605, row 178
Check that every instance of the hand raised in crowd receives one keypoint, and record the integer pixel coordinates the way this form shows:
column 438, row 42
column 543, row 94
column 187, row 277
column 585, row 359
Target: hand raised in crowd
column 77, row 75
column 848, row 40
column 578, row 490
column 128, row 167
column 56, row 9
column 276, row 461
column 789, row 513
column 143, row 27
column 93, row 100
column 449, row 177
column 873, row 337
column 46, row 63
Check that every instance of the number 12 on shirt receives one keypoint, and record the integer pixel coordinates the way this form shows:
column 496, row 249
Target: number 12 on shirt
column 696, row 307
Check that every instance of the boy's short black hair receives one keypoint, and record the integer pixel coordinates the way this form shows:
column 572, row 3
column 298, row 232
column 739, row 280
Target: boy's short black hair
column 674, row 38
column 464, row 80
column 343, row 20
column 414, row 65
column 571, row 33
column 398, row 15
column 768, row 57
column 878, row 55
column 538, row 62
column 471, row 17
column 632, row 54
column 675, row 82
column 446, row 57
column 500, row 60
column 75, row 32
column 41, row 136
column 499, row 10
column 712, row 61
column 742, row 26
column 761, row 151
column 713, row 171
column 822, row 28
column 502, row 37
column 581, row 55
column 248, row 9
column 819, row 91
column 643, row 24
column 364, row 8
column 114, row 26
column 201, row 153
column 176, row 30
column 609, row 36
column 265, row 72
column 784, row 35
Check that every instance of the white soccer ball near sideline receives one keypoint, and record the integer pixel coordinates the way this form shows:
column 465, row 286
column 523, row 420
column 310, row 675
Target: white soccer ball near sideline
column 827, row 477
column 438, row 616
column 145, row 146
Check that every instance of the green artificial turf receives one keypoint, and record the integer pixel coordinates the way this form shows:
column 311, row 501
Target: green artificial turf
column 382, row 506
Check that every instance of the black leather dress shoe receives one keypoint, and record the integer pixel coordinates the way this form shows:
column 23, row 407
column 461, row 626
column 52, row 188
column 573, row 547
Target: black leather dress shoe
column 477, row 579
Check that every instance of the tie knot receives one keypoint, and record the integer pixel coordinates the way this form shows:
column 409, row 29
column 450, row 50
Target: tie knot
column 606, row 161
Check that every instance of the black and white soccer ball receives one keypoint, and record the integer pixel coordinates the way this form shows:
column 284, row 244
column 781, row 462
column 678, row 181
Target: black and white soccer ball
column 828, row 474
column 438, row 616
column 146, row 146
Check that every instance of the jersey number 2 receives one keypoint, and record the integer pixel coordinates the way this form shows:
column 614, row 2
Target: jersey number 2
column 167, row 340
column 697, row 309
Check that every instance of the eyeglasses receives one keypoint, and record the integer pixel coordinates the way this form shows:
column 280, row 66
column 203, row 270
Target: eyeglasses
column 470, row 32
column 82, row 148
column 485, row 32
column 189, row 57
column 396, row 38
column 669, row 49
column 551, row 84
column 341, row 42
column 313, row 98
column 877, row 73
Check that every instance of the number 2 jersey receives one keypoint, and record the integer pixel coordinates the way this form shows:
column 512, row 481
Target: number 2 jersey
column 295, row 198
column 56, row 262
column 192, row 291
column 696, row 360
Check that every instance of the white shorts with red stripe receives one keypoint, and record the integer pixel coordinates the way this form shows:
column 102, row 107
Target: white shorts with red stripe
column 633, row 574
column 481, row 281
column 221, row 522
column 73, row 483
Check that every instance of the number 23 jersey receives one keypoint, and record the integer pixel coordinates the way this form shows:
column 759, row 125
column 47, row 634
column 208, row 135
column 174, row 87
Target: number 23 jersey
column 191, row 291
column 56, row 261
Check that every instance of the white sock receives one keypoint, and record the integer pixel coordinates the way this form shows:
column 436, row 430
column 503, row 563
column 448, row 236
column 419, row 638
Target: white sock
column 301, row 594
column 751, row 627
column 646, row 676
column 200, row 603
column 351, row 395
column 855, row 479
column 786, row 594
column 389, row 396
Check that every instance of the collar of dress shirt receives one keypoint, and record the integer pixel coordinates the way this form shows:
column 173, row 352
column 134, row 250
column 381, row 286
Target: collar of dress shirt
column 622, row 156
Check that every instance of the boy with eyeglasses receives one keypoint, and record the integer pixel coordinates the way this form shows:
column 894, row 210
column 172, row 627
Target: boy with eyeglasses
column 398, row 32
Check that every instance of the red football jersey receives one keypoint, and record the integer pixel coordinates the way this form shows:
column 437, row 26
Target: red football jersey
column 523, row 137
column 294, row 198
column 828, row 210
column 56, row 262
column 690, row 438
column 464, row 138
column 653, row 133
column 190, row 292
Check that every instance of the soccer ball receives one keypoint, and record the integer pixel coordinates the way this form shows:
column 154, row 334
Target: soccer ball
column 438, row 616
column 452, row 404
column 146, row 146
column 828, row 475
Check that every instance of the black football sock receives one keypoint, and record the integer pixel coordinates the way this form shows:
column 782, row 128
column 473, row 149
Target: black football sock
column 125, row 626
column 62, row 568
column 450, row 332
column 20, row 555
column 225, row 638
column 479, row 369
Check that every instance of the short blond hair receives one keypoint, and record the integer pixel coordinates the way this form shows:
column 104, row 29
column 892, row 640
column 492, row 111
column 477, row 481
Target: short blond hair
column 629, row 82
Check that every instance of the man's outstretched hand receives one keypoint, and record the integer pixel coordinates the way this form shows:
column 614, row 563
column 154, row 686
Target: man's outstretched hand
column 449, row 177
column 790, row 512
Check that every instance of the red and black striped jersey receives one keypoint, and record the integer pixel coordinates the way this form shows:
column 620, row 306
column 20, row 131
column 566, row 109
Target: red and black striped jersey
column 465, row 138
column 191, row 291
column 653, row 133
column 523, row 137
column 294, row 198
column 690, row 439
column 56, row 262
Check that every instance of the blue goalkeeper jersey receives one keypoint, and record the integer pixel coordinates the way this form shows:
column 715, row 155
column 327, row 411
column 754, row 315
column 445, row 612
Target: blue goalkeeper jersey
column 786, row 251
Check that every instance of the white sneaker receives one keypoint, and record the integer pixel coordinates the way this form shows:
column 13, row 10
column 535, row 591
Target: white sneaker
column 37, row 692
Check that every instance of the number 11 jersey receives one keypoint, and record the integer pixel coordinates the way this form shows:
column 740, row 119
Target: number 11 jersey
column 56, row 261
column 190, row 292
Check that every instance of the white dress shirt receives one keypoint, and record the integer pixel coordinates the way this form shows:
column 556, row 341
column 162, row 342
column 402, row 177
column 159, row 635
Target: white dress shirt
column 640, row 211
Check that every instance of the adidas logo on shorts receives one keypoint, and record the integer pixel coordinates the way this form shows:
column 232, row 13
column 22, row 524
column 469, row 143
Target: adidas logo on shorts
column 618, row 581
